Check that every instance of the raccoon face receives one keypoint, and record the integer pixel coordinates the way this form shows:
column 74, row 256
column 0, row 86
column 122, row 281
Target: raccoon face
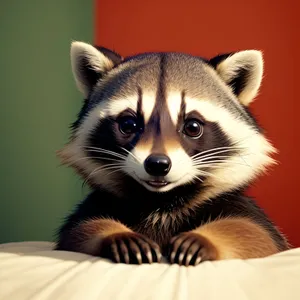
column 165, row 120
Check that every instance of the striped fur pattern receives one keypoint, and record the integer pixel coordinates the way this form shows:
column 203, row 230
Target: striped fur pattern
column 167, row 143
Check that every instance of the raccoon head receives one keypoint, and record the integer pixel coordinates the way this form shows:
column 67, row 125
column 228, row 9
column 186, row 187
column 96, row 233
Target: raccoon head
column 167, row 120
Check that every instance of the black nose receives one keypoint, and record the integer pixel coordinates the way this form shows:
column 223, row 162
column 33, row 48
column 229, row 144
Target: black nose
column 157, row 165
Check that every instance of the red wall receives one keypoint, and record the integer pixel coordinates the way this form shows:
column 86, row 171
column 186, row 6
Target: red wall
column 207, row 28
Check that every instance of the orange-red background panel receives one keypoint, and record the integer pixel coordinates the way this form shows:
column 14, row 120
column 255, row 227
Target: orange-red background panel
column 207, row 28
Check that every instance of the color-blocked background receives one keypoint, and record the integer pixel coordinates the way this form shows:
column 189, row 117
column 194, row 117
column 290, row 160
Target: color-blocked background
column 207, row 28
column 38, row 102
column 39, row 98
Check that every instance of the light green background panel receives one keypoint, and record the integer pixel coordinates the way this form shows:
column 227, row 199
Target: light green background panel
column 38, row 102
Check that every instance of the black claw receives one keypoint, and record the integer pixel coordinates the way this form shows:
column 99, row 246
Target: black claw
column 115, row 253
column 130, row 248
column 191, row 249
column 136, row 256
column 123, row 252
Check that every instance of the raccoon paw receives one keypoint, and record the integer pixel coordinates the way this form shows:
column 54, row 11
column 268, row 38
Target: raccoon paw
column 191, row 248
column 130, row 248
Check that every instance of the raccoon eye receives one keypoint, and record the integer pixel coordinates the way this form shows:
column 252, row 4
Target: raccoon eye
column 128, row 125
column 193, row 128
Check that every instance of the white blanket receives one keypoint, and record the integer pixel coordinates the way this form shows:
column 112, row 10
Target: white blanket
column 31, row 270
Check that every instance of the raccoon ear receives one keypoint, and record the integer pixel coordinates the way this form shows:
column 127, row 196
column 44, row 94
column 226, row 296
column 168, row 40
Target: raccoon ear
column 242, row 71
column 89, row 64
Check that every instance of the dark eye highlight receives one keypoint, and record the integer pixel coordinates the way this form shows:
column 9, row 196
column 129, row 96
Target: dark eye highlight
column 128, row 125
column 193, row 128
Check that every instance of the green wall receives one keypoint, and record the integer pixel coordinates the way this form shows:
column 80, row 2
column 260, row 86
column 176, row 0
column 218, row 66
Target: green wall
column 38, row 101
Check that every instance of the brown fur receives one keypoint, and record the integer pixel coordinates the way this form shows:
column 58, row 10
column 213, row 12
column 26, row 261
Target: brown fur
column 111, row 239
column 238, row 238
column 87, row 236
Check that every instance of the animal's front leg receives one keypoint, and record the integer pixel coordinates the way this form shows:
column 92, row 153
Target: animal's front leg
column 109, row 239
column 221, row 239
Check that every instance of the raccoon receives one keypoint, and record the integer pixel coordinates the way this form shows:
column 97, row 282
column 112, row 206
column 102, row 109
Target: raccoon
column 168, row 146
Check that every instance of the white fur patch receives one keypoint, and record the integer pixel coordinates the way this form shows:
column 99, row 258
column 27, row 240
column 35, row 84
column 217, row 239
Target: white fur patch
column 253, row 147
column 174, row 105
column 139, row 155
column 182, row 170
column 134, row 165
column 148, row 103
column 116, row 106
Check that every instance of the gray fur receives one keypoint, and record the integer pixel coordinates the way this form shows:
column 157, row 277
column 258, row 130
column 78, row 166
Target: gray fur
column 184, row 72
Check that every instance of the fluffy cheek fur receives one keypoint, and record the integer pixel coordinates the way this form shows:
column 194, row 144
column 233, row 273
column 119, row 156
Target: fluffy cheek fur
column 74, row 154
column 253, row 150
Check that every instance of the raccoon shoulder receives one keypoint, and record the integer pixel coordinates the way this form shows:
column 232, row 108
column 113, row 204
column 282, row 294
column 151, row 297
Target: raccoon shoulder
column 236, row 204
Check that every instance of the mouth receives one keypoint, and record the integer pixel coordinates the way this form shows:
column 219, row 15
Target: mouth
column 157, row 183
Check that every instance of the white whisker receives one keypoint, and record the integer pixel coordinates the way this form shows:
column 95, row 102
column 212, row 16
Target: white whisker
column 201, row 180
column 215, row 157
column 211, row 157
column 245, row 138
column 105, row 168
column 214, row 153
column 201, row 172
column 212, row 166
column 113, row 172
column 230, row 148
column 101, row 150
column 130, row 154
column 96, row 157
column 199, row 163
column 241, row 156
